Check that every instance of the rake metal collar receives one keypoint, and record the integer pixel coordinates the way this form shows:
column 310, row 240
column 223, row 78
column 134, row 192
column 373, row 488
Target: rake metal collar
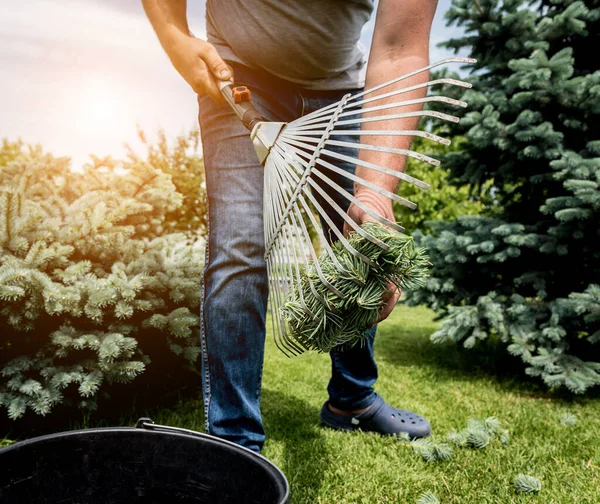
column 264, row 135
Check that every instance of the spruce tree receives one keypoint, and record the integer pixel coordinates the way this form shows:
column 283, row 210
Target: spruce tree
column 86, row 286
column 529, row 273
column 442, row 201
column 181, row 159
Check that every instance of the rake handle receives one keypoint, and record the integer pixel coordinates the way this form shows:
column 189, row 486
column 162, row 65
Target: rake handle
column 239, row 100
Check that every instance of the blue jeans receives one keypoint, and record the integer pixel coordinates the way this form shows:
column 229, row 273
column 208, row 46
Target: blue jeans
column 234, row 284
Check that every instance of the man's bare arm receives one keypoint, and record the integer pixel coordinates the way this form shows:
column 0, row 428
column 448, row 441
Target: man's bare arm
column 400, row 46
column 196, row 60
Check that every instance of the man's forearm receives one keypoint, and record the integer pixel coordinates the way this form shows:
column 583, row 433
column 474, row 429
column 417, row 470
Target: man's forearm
column 396, row 50
column 380, row 74
column 197, row 61
column 167, row 18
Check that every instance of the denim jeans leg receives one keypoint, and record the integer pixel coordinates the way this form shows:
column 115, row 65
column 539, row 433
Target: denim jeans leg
column 353, row 371
column 234, row 280
column 353, row 374
column 234, row 283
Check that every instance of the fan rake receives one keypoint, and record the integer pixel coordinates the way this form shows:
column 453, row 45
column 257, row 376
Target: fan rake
column 296, row 172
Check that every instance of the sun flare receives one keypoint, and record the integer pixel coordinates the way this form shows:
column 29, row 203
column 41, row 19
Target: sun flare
column 103, row 112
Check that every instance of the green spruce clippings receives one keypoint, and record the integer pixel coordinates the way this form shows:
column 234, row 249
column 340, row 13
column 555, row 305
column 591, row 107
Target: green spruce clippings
column 527, row 484
column 427, row 498
column 318, row 319
column 479, row 433
column 568, row 419
column 432, row 451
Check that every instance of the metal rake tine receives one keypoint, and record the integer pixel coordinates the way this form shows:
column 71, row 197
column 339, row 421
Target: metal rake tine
column 287, row 245
column 281, row 339
column 376, row 108
column 389, row 150
column 297, row 263
column 287, row 172
column 374, row 187
column 332, row 226
column 274, row 301
column 327, row 246
column 284, row 166
column 412, row 74
column 323, row 114
column 292, row 229
column 280, row 266
column 274, row 326
column 365, row 110
column 382, row 169
column 422, row 134
column 344, row 214
column 270, row 191
column 396, row 92
column 308, row 194
column 398, row 79
column 273, row 239
column 275, row 204
column 365, row 183
column 387, row 117
column 358, row 203
column 278, row 201
column 352, row 199
column 279, row 281
column 428, row 84
column 300, row 225
column 288, row 230
column 274, row 306
column 311, row 251
column 345, row 217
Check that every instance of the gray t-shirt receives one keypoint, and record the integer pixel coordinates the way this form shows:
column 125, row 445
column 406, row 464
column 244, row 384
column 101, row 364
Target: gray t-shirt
column 313, row 43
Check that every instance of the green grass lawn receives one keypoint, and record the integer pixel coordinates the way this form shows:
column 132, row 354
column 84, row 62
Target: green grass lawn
column 446, row 385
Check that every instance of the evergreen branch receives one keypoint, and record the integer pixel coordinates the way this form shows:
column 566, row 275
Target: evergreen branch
column 432, row 451
column 317, row 319
column 527, row 484
column 427, row 498
column 479, row 433
column 84, row 247
column 568, row 419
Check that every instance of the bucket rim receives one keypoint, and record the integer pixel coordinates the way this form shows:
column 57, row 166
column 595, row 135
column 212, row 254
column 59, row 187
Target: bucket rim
column 153, row 429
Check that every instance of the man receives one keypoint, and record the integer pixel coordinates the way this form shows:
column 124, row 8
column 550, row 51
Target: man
column 295, row 56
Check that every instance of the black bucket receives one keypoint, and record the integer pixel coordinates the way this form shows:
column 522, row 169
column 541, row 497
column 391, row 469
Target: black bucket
column 151, row 464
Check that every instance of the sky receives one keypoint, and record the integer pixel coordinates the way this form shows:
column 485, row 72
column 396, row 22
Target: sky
column 79, row 76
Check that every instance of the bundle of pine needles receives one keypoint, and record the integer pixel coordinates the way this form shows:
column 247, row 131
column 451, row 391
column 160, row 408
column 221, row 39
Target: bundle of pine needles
column 318, row 319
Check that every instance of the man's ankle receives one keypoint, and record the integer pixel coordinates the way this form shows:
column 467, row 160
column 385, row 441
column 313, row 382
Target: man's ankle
column 338, row 411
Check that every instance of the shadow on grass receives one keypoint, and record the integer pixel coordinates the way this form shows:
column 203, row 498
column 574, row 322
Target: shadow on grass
column 293, row 424
column 149, row 395
column 410, row 346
